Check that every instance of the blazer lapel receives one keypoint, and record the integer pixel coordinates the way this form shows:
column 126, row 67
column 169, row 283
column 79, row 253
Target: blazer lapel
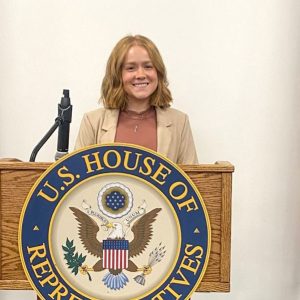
column 164, row 136
column 109, row 126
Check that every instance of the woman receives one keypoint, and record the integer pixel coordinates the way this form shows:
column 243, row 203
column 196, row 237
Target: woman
column 136, row 102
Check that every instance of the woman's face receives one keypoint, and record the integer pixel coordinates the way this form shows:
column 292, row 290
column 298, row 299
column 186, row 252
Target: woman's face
column 139, row 76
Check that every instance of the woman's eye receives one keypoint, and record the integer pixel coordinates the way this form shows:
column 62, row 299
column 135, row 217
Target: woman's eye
column 148, row 66
column 129, row 68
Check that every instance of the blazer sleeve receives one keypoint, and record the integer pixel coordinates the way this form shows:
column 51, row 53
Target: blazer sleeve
column 187, row 150
column 86, row 135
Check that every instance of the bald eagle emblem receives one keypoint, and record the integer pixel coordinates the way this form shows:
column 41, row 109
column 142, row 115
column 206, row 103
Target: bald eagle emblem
column 115, row 254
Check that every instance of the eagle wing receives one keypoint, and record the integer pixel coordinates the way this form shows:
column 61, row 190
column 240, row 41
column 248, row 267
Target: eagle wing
column 88, row 229
column 142, row 230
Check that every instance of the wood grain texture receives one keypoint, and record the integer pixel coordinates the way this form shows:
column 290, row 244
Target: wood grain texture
column 15, row 285
column 214, row 287
column 210, row 187
column 226, row 227
column 213, row 182
column 1, row 230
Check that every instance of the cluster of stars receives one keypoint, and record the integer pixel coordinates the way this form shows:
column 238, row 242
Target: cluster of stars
column 115, row 200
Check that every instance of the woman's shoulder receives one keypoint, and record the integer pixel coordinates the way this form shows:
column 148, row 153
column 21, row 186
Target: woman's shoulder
column 176, row 111
column 96, row 112
column 99, row 113
column 171, row 114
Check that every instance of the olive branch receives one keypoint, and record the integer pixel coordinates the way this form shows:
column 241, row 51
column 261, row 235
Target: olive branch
column 74, row 260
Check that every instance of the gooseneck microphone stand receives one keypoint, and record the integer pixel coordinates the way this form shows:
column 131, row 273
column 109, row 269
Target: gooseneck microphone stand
column 64, row 116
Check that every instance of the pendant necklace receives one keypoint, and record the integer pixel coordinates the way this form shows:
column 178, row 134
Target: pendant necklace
column 138, row 117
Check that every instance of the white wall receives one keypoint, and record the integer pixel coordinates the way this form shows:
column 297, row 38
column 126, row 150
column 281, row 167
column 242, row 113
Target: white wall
column 234, row 67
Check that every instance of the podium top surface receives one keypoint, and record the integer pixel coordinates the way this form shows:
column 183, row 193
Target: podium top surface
column 219, row 166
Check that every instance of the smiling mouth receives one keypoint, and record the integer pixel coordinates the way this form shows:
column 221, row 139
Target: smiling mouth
column 144, row 84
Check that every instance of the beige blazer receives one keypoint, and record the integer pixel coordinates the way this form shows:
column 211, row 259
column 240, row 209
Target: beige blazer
column 174, row 135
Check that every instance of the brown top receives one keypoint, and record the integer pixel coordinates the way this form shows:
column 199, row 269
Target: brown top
column 137, row 128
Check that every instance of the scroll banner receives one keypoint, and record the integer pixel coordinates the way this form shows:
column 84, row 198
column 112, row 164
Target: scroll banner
column 114, row 221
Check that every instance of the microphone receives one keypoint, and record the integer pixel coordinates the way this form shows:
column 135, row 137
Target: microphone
column 65, row 116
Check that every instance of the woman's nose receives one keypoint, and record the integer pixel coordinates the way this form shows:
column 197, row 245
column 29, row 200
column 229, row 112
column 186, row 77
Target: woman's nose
column 140, row 73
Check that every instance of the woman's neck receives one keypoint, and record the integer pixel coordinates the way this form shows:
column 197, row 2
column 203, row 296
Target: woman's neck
column 138, row 106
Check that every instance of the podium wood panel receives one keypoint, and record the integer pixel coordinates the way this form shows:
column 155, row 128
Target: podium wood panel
column 213, row 182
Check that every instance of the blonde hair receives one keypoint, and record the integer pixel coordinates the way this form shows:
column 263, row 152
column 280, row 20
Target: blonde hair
column 112, row 92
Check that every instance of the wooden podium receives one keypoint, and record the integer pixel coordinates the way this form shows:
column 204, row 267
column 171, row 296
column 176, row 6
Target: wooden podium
column 213, row 182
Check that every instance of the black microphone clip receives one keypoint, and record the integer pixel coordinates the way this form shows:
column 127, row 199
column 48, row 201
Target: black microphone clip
column 63, row 122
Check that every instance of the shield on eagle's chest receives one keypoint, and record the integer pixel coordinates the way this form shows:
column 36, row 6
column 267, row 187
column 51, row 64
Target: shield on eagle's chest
column 115, row 254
